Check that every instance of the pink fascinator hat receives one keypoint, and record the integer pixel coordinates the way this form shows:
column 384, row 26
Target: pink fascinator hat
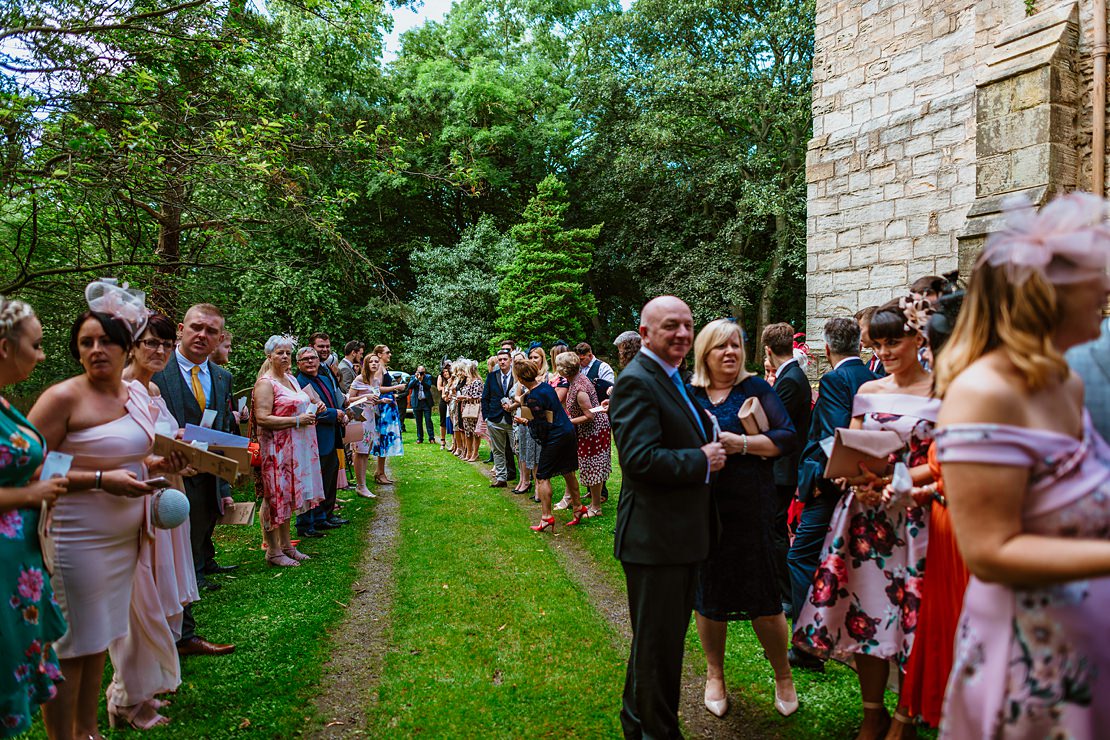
column 107, row 296
column 1067, row 241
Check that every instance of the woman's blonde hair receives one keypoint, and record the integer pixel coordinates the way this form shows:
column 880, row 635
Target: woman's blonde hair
column 264, row 370
column 567, row 363
column 542, row 369
column 1017, row 319
column 713, row 335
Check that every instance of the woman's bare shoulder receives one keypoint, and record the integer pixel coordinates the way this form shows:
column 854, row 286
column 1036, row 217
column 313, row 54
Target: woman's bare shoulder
column 986, row 392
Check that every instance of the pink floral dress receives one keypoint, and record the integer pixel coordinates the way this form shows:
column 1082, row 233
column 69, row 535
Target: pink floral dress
column 595, row 462
column 867, row 590
column 290, row 473
column 1035, row 662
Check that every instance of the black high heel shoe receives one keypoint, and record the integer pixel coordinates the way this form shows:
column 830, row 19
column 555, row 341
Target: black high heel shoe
column 524, row 490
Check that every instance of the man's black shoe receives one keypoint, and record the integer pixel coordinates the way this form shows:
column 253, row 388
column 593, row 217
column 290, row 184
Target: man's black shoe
column 303, row 533
column 213, row 569
column 805, row 661
column 498, row 484
column 325, row 525
column 338, row 521
column 208, row 585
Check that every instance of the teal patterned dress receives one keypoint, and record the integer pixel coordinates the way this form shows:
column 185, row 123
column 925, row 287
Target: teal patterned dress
column 30, row 618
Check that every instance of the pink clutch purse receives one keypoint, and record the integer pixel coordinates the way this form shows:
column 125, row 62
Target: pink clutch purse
column 753, row 418
column 871, row 447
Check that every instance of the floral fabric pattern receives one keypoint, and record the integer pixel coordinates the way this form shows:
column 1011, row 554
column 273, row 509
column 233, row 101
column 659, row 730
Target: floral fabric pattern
column 866, row 592
column 290, row 472
column 30, row 618
column 1035, row 662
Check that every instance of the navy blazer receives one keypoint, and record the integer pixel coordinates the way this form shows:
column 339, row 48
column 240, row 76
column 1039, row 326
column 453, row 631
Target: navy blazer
column 833, row 410
column 492, row 395
column 411, row 389
column 792, row 387
column 183, row 405
column 1091, row 361
column 329, row 433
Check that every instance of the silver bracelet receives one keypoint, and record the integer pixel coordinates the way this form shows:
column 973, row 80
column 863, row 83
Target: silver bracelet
column 745, row 450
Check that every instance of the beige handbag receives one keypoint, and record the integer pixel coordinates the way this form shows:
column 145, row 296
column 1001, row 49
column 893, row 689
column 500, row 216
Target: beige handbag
column 871, row 447
column 471, row 410
column 753, row 418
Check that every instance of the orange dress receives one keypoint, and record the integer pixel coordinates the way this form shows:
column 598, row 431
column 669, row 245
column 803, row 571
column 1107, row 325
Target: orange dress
column 942, row 600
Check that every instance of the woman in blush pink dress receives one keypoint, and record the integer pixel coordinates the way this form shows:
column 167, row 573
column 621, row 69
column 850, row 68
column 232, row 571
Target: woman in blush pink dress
column 1028, row 483
column 290, row 473
column 145, row 662
column 366, row 384
column 107, row 426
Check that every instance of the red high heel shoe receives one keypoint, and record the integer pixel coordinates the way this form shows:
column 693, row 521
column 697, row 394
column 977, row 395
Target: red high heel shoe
column 545, row 522
column 579, row 514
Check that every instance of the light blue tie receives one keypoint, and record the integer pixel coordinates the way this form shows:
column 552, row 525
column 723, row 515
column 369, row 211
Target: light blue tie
column 677, row 380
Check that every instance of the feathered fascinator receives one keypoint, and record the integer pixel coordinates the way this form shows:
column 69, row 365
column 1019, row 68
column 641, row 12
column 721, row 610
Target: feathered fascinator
column 107, row 296
column 1067, row 241
column 917, row 312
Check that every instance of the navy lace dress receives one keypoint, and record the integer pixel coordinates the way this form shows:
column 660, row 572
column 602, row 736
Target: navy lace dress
column 557, row 439
column 738, row 581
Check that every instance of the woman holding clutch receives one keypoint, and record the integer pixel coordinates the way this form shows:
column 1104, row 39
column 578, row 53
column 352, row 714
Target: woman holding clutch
column 866, row 593
column 738, row 580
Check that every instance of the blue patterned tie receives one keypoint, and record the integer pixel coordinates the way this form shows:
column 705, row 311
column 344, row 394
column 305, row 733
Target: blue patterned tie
column 677, row 380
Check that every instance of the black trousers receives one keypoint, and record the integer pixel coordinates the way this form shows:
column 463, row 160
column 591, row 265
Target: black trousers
column 809, row 539
column 442, row 419
column 202, row 492
column 423, row 417
column 780, row 540
column 660, row 600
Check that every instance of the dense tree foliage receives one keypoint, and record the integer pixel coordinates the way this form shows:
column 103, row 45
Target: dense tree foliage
column 260, row 156
column 543, row 290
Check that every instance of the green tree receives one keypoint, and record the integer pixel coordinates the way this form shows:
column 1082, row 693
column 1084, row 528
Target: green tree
column 454, row 309
column 543, row 290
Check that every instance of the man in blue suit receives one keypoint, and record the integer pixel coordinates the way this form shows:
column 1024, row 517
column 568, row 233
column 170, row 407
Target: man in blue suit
column 499, row 385
column 820, row 496
column 329, row 436
column 1091, row 361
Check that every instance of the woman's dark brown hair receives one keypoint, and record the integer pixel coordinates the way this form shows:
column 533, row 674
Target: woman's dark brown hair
column 117, row 330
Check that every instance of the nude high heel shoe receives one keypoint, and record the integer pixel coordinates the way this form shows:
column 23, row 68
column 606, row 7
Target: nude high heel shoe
column 783, row 706
column 716, row 707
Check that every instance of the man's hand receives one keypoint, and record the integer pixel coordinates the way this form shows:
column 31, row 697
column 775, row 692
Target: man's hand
column 715, row 454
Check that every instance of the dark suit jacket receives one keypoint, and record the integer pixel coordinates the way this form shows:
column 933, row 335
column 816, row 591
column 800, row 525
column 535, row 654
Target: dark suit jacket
column 329, row 433
column 833, row 410
column 792, row 386
column 183, row 405
column 665, row 515
column 492, row 395
column 416, row 402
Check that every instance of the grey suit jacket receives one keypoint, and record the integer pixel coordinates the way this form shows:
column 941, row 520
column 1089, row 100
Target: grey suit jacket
column 183, row 405
column 1091, row 361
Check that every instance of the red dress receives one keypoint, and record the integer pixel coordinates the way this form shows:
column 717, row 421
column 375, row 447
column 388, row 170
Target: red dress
column 942, row 600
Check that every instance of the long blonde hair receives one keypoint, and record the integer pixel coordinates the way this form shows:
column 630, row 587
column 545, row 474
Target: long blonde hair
column 713, row 335
column 1018, row 320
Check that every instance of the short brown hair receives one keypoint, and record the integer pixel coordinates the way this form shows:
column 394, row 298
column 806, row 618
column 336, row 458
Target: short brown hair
column 206, row 308
column 319, row 335
column 524, row 370
column 780, row 338
column 583, row 348
column 863, row 316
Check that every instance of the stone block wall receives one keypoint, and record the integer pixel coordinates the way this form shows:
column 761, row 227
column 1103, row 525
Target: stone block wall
column 927, row 114
column 891, row 166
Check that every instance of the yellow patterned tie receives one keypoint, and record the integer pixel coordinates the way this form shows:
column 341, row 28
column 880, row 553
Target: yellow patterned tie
column 198, row 389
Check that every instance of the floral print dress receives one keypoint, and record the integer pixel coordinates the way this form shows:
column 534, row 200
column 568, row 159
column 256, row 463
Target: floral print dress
column 30, row 618
column 867, row 590
column 595, row 462
column 1035, row 662
column 290, row 471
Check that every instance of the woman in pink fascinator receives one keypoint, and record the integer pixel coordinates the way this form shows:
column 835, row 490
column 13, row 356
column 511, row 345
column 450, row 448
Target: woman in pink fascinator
column 1027, row 482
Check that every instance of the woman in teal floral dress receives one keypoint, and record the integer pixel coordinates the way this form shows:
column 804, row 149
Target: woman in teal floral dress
column 30, row 619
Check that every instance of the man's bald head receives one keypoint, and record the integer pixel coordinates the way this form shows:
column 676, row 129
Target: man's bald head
column 667, row 328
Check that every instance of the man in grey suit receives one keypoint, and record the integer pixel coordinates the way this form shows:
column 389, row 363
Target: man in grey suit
column 191, row 384
column 666, row 521
column 1091, row 361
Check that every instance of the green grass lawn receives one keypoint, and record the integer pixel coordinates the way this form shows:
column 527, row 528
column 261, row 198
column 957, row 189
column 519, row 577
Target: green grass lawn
column 490, row 638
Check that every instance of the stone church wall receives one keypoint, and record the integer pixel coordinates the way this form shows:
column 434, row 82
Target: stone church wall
column 927, row 114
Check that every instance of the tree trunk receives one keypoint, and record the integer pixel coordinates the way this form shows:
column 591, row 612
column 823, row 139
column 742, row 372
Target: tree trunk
column 164, row 292
column 770, row 285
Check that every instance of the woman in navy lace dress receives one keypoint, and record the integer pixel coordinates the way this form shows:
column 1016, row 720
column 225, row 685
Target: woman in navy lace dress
column 738, row 580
